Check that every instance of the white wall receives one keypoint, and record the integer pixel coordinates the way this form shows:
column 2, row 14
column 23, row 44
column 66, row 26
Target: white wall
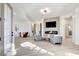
column 43, row 28
column 7, row 29
column 76, row 30
column 62, row 26
column 75, row 36
column 23, row 26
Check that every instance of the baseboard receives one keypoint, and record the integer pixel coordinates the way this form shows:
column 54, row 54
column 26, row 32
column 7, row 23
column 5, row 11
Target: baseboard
column 77, row 43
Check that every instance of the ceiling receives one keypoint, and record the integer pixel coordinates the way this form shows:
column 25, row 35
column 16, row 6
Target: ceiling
column 31, row 11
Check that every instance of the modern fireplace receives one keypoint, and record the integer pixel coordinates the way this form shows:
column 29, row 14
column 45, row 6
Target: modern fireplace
column 51, row 32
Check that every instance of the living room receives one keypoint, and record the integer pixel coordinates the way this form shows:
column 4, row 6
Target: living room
column 41, row 31
column 50, row 30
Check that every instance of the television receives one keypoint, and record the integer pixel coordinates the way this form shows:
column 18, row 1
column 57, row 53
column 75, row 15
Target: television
column 51, row 24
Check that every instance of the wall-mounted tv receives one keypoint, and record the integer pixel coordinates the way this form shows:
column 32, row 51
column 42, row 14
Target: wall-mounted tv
column 51, row 24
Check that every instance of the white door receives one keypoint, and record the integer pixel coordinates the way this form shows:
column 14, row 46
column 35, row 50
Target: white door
column 7, row 29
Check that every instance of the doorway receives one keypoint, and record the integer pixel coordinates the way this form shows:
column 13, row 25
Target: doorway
column 68, row 30
column 68, row 27
column 40, row 29
column 34, row 29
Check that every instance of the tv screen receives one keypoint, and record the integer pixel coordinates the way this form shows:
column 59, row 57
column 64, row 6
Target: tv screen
column 51, row 24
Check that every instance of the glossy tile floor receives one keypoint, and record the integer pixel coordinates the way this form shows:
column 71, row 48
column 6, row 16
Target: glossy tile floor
column 29, row 47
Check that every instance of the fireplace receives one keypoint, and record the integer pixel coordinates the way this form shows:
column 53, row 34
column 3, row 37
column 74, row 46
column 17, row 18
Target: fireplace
column 51, row 32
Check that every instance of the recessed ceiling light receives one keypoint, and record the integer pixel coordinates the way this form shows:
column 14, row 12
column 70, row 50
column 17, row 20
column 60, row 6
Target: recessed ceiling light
column 45, row 10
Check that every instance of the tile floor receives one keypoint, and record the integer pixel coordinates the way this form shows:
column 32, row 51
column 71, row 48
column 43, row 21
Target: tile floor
column 29, row 47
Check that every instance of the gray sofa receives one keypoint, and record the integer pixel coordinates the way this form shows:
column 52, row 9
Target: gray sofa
column 56, row 39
